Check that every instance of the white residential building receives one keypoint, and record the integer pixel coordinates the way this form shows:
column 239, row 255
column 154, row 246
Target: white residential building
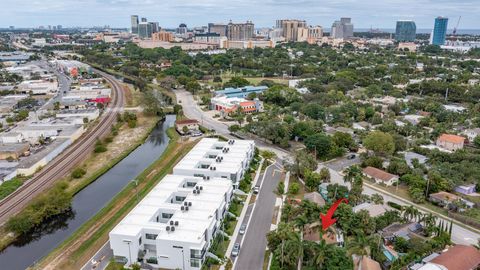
column 212, row 158
column 174, row 225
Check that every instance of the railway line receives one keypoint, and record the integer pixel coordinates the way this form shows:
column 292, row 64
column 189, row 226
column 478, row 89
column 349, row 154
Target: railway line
column 68, row 159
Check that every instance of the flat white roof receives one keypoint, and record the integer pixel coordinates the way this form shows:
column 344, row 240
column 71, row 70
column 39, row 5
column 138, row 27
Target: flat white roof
column 232, row 159
column 192, row 223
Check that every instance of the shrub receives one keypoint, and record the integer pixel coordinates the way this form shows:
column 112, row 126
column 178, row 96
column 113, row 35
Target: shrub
column 78, row 173
column 294, row 188
column 281, row 188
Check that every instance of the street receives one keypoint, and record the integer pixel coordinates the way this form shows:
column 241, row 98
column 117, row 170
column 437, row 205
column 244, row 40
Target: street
column 254, row 242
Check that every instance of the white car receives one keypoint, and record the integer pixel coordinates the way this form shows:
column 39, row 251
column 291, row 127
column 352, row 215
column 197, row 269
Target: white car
column 256, row 189
column 242, row 229
column 236, row 250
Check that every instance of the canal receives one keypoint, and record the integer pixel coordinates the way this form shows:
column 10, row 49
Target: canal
column 28, row 250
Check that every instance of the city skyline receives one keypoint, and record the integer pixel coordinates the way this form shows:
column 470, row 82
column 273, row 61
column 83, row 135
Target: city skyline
column 364, row 14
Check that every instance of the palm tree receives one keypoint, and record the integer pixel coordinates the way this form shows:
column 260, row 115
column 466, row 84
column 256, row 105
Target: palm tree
column 352, row 173
column 410, row 212
column 293, row 250
column 359, row 246
column 320, row 253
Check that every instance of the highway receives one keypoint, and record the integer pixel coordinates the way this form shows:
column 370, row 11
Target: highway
column 68, row 159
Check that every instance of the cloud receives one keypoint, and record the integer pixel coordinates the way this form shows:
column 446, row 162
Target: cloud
column 169, row 13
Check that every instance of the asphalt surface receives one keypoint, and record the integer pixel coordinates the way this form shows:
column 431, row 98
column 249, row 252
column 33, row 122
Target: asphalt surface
column 101, row 259
column 252, row 248
column 67, row 160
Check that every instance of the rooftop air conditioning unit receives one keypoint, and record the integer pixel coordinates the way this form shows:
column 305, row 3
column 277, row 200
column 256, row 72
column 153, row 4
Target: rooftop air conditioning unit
column 190, row 204
column 185, row 203
column 171, row 222
column 186, row 208
column 201, row 188
column 168, row 228
column 197, row 187
column 172, row 229
column 176, row 223
column 182, row 208
column 208, row 177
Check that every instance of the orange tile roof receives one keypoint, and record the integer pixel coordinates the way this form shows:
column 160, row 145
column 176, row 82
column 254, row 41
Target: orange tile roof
column 378, row 174
column 451, row 138
column 459, row 257
column 247, row 103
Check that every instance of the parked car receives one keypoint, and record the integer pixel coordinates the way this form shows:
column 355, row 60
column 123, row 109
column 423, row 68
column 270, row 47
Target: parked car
column 197, row 134
column 242, row 229
column 236, row 250
column 256, row 189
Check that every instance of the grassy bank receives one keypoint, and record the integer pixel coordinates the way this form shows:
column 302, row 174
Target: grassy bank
column 87, row 181
column 82, row 244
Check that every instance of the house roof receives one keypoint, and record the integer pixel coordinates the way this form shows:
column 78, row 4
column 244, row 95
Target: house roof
column 451, row 138
column 314, row 197
column 366, row 264
column 444, row 196
column 378, row 174
column 374, row 210
column 459, row 257
column 186, row 122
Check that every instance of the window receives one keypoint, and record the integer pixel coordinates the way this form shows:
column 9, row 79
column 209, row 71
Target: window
column 180, row 198
column 167, row 215
column 195, row 254
column 151, row 236
column 195, row 263
column 191, row 184
column 198, row 175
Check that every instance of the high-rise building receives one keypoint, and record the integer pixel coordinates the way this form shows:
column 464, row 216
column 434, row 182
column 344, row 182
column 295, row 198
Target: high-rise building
column 134, row 24
column 405, row 31
column 439, row 31
column 144, row 19
column 218, row 28
column 155, row 27
column 182, row 29
column 342, row 29
column 145, row 30
column 315, row 32
column 240, row 31
column 290, row 28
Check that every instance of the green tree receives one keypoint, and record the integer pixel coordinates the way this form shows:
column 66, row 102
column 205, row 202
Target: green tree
column 312, row 180
column 379, row 142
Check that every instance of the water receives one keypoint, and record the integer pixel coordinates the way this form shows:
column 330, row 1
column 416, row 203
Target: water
column 86, row 203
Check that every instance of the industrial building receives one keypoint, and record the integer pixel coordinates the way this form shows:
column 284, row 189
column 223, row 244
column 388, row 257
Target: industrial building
column 241, row 92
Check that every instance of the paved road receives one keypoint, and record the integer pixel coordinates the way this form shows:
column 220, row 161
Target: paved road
column 252, row 250
column 67, row 160
column 192, row 111
column 101, row 259
column 460, row 235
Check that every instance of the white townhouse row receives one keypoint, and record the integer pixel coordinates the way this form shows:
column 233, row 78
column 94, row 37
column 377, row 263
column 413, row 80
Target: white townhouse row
column 212, row 158
column 174, row 225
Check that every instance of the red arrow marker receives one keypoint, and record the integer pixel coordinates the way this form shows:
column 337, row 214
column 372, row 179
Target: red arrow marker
column 328, row 220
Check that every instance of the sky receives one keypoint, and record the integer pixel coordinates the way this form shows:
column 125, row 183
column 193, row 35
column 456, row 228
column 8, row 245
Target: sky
column 170, row 13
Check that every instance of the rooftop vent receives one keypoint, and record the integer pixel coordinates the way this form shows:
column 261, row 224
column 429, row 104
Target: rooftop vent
column 190, row 204
column 176, row 223
column 182, row 208
column 171, row 222
column 168, row 228
column 172, row 229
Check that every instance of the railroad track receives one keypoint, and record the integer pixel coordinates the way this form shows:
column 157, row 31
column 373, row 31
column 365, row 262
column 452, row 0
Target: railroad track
column 68, row 159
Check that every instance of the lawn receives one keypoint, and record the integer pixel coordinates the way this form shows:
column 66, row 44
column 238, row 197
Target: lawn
column 7, row 187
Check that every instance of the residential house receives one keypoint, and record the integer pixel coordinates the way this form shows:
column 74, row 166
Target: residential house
column 458, row 257
column 380, row 176
column 314, row 197
column 450, row 142
column 190, row 124
column 332, row 236
column 361, row 126
column 404, row 230
column 471, row 133
column 410, row 156
column 374, row 210
column 443, row 198
column 466, row 189
column 365, row 263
